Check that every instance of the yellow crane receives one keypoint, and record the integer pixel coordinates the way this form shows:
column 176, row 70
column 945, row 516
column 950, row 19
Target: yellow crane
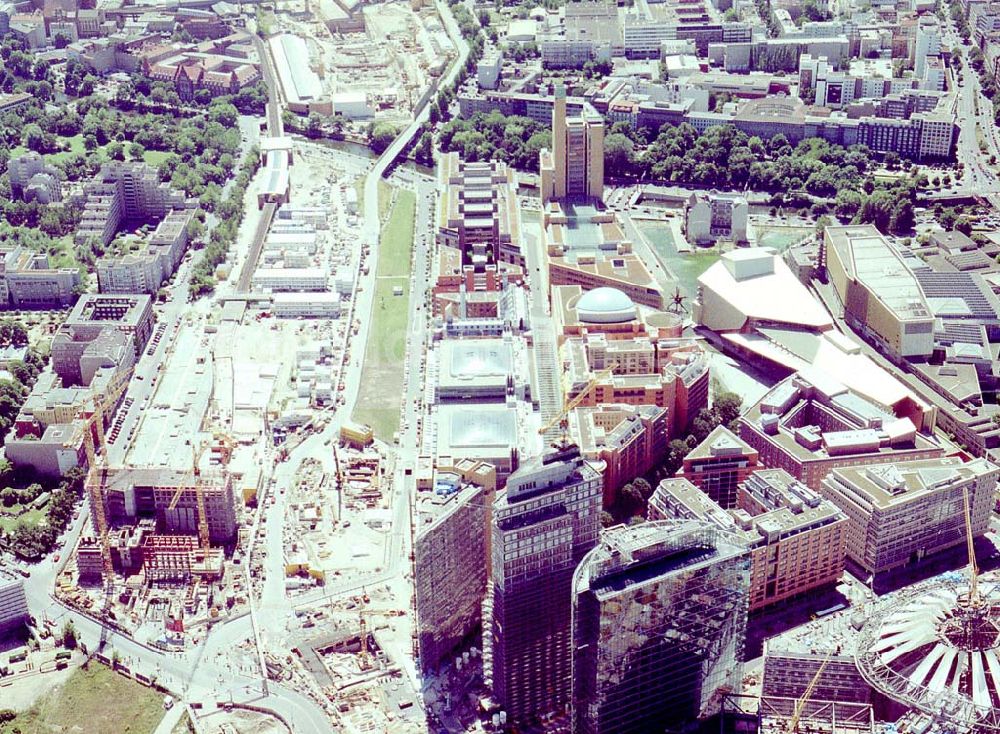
column 562, row 418
column 95, row 475
column 800, row 704
column 970, row 546
column 363, row 630
column 203, row 534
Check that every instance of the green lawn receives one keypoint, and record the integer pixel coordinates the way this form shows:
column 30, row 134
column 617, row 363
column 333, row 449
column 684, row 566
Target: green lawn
column 381, row 392
column 384, row 198
column 94, row 699
column 9, row 521
column 76, row 147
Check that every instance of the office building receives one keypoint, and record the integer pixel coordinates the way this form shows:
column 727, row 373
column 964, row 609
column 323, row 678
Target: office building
column 901, row 512
column 94, row 314
column 125, row 194
column 574, row 168
column 719, row 464
column 714, row 216
column 796, row 538
column 478, row 212
column 667, row 373
column 810, row 424
column 882, row 299
column 543, row 524
column 450, row 563
column 13, row 602
column 147, row 270
column 585, row 245
column 659, row 620
column 28, row 281
column 622, row 441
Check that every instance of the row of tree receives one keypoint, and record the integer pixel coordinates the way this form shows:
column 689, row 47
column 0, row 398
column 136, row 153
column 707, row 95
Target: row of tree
column 230, row 213
column 632, row 499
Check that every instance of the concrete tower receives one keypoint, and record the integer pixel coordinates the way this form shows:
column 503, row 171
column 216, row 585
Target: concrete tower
column 543, row 525
column 574, row 168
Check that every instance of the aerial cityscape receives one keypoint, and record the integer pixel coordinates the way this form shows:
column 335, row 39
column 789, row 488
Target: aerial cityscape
column 528, row 367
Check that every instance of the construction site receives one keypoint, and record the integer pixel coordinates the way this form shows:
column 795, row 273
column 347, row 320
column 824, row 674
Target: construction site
column 157, row 561
column 336, row 522
column 362, row 64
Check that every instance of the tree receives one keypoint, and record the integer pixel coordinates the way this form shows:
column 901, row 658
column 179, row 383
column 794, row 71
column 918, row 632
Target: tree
column 607, row 519
column 69, row 637
column 727, row 407
column 618, row 150
column 645, row 488
column 381, row 135
column 631, row 500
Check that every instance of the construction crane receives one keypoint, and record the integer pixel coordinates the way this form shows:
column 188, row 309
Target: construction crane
column 363, row 631
column 973, row 568
column 800, row 704
column 195, row 481
column 562, row 418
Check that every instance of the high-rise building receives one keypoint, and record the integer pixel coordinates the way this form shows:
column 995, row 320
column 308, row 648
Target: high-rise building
column 13, row 603
column 574, row 168
column 543, row 525
column 928, row 43
column 450, row 569
column 659, row 619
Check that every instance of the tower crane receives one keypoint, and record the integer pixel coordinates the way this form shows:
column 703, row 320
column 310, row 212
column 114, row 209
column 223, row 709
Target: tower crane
column 363, row 630
column 800, row 704
column 562, row 418
column 970, row 546
column 97, row 454
column 199, row 492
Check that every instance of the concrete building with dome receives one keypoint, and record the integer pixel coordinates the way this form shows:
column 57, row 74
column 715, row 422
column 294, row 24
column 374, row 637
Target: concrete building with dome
column 609, row 311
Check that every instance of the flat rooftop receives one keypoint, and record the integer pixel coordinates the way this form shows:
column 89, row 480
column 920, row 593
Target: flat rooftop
column 886, row 485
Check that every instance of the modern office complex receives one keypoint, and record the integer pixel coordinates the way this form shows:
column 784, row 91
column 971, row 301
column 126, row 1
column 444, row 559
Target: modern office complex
column 898, row 513
column 810, row 424
column 478, row 211
column 542, row 527
column 146, row 271
column 659, row 618
column 574, row 168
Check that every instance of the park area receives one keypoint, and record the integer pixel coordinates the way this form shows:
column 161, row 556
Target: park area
column 81, row 704
column 381, row 390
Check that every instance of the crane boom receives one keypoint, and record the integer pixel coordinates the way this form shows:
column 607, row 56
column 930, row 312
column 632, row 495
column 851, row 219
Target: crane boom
column 970, row 546
column 800, row 704
column 580, row 397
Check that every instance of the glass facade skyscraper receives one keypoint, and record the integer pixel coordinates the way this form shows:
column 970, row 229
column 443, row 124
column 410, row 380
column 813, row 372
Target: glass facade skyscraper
column 659, row 619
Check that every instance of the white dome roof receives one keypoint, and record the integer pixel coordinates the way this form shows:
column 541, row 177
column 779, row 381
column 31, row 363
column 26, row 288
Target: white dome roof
column 605, row 306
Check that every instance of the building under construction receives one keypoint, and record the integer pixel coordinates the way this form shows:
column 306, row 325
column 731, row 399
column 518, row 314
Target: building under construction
column 170, row 498
column 157, row 558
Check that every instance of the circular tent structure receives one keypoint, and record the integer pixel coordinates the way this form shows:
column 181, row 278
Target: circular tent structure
column 605, row 306
column 938, row 650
